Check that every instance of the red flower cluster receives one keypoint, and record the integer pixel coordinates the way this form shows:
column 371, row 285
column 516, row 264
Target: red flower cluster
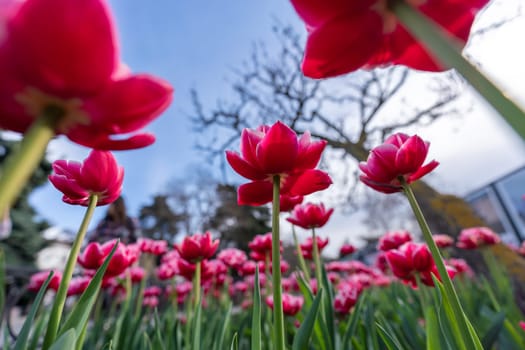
column 99, row 174
column 152, row 246
column 411, row 259
column 475, row 237
column 291, row 304
column 344, row 36
column 37, row 280
column 261, row 246
column 310, row 215
column 232, row 257
column 76, row 75
column 276, row 150
column 399, row 156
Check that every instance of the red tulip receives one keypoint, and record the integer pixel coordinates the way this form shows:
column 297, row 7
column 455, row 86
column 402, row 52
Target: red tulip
column 262, row 243
column 291, row 304
column 307, row 247
column 393, row 240
column 399, row 156
column 151, row 301
column 152, row 291
column 37, row 280
column 94, row 255
column 78, row 285
column 197, row 247
column 99, row 174
column 287, row 203
column 62, row 57
column 276, row 150
column 346, row 297
column 232, row 257
column 310, row 215
column 346, row 249
column 344, row 36
column 443, row 241
column 475, row 237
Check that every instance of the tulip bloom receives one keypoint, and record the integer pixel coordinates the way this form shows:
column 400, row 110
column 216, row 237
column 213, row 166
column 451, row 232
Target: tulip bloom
column 307, row 246
column 94, row 255
column 78, row 285
column 197, row 247
column 310, row 215
column 344, row 36
column 291, row 304
column 37, row 280
column 232, row 257
column 276, row 150
column 393, row 240
column 443, row 241
column 99, row 174
column 346, row 249
column 61, row 57
column 475, row 237
column 287, row 203
column 400, row 156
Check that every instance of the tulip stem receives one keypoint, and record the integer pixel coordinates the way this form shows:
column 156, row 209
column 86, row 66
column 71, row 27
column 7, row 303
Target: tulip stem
column 317, row 259
column 197, row 283
column 443, row 47
column 452, row 296
column 60, row 298
column 278, row 316
column 300, row 257
column 22, row 162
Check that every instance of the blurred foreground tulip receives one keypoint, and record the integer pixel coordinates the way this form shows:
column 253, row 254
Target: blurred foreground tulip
column 400, row 156
column 276, row 150
column 346, row 35
column 61, row 57
column 99, row 174
column 37, row 280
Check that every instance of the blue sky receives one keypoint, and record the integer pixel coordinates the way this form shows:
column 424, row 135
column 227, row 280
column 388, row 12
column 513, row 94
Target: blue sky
column 196, row 44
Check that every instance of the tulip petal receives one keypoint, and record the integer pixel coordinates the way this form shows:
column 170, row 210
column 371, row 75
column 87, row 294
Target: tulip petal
column 249, row 141
column 411, row 155
column 277, row 151
column 381, row 163
column 423, row 171
column 64, row 47
column 255, row 193
column 242, row 167
column 378, row 186
column 307, row 182
column 309, row 152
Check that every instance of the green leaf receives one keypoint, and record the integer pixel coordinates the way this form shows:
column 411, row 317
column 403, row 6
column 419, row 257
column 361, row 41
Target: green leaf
column 196, row 325
column 494, row 330
column 388, row 339
column 354, row 319
column 2, row 281
column 80, row 313
column 66, row 341
column 256, row 315
column 225, row 326
column 328, row 307
column 235, row 342
column 158, row 344
column 21, row 341
column 432, row 328
column 302, row 338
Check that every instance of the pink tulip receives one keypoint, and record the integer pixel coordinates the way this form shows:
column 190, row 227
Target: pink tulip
column 443, row 241
column 307, row 246
column 152, row 291
column 344, row 36
column 78, row 285
column 475, row 237
column 37, row 280
column 62, row 57
column 94, row 255
column 393, row 240
column 276, row 150
column 150, row 301
column 99, row 174
column 346, row 249
column 310, row 215
column 291, row 304
column 400, row 156
column 232, row 257
column 197, row 247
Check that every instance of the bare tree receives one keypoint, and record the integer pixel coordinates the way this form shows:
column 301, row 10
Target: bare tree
column 352, row 113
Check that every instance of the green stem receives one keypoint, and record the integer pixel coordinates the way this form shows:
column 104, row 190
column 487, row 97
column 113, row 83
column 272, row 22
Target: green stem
column 438, row 259
column 300, row 257
column 197, row 283
column 317, row 259
column 21, row 164
column 60, row 298
column 278, row 316
column 448, row 53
